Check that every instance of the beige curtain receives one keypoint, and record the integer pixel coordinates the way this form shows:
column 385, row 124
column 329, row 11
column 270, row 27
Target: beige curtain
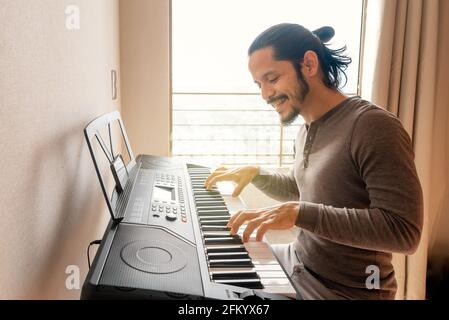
column 405, row 69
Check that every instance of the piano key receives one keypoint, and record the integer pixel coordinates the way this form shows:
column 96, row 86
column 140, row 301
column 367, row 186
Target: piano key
column 222, row 240
column 206, row 192
column 257, row 268
column 205, row 208
column 230, row 263
column 200, row 185
column 228, row 255
column 211, row 198
column 235, row 269
column 246, row 283
column 218, row 234
column 221, row 217
column 211, row 236
column 201, row 204
column 204, row 197
column 214, row 213
column 208, row 197
column 234, row 274
column 275, row 281
column 257, row 261
column 225, row 248
column 217, row 210
column 214, row 228
column 271, row 274
column 268, row 267
column 223, row 222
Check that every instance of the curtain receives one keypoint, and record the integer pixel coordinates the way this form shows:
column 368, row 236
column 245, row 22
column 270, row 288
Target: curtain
column 404, row 69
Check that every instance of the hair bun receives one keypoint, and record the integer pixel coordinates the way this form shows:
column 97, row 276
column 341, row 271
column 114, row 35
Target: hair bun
column 325, row 33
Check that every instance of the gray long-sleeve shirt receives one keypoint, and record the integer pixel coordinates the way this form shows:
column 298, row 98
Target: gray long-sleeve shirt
column 360, row 197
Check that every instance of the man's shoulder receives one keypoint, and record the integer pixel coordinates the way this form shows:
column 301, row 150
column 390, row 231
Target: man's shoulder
column 375, row 126
column 368, row 115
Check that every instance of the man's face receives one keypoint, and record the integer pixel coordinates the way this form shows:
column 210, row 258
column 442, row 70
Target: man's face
column 279, row 84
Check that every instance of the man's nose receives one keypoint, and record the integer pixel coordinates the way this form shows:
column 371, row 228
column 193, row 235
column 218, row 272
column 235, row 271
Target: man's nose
column 267, row 92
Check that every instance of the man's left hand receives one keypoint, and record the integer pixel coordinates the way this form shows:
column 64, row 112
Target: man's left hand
column 279, row 217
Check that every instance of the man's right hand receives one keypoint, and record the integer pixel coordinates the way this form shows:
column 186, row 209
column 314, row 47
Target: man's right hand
column 241, row 176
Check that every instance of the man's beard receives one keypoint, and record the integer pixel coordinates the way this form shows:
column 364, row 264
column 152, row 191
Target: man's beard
column 301, row 93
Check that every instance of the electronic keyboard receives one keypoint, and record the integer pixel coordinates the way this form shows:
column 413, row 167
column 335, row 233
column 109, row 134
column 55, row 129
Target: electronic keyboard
column 167, row 238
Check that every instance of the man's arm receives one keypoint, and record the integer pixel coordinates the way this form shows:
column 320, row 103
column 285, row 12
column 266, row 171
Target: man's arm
column 382, row 153
column 277, row 185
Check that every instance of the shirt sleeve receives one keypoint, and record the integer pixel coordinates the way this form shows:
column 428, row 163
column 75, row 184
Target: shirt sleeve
column 382, row 153
column 278, row 185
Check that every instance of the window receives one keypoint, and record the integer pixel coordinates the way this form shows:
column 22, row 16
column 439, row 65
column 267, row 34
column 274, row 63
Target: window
column 218, row 115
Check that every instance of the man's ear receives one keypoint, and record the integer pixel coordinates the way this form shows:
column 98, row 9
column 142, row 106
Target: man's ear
column 310, row 64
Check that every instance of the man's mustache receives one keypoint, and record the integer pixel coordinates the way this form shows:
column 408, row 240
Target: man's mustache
column 275, row 99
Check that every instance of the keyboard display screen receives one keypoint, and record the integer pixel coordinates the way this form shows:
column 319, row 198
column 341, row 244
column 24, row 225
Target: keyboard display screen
column 163, row 193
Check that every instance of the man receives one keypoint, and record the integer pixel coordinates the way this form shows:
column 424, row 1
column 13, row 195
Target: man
column 353, row 190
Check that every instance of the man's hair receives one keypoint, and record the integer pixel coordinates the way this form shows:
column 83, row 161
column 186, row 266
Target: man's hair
column 291, row 41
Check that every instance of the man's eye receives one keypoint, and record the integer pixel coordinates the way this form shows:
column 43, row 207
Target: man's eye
column 273, row 80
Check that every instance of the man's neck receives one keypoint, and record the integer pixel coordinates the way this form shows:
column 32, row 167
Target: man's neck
column 319, row 102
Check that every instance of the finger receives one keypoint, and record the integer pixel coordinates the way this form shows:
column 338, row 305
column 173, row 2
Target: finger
column 212, row 175
column 263, row 228
column 244, row 216
column 232, row 219
column 213, row 180
column 252, row 225
column 238, row 189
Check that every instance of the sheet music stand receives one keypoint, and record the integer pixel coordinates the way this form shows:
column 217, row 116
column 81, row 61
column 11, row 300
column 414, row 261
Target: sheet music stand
column 120, row 171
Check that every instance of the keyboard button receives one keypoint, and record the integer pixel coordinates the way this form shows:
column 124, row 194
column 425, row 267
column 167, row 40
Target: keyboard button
column 170, row 217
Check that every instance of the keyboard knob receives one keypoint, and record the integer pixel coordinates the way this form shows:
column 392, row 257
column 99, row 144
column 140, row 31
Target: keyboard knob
column 170, row 217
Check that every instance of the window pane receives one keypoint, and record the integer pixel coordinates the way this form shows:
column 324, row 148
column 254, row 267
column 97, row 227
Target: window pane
column 218, row 115
column 211, row 37
column 219, row 102
column 215, row 161
column 223, row 129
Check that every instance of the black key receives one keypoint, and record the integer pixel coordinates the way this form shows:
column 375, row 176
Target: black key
column 207, row 193
column 202, row 197
column 223, row 240
column 223, row 223
column 245, row 283
column 214, row 204
column 224, row 275
column 214, row 214
column 206, row 208
column 215, row 233
column 228, row 255
column 230, row 263
column 214, row 228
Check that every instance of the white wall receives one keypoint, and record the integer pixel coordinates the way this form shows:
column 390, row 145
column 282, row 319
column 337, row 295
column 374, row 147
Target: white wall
column 52, row 82
column 145, row 64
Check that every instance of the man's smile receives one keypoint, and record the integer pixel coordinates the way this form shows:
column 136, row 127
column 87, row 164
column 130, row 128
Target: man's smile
column 278, row 102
